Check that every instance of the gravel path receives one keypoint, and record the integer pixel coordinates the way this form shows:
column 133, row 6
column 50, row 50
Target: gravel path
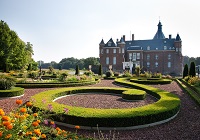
column 186, row 126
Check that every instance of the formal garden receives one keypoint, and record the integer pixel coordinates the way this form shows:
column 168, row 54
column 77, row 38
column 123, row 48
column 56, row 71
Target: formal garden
column 42, row 115
column 38, row 103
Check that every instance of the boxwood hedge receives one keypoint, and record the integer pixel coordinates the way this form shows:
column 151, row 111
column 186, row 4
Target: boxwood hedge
column 134, row 94
column 152, row 81
column 167, row 106
column 15, row 91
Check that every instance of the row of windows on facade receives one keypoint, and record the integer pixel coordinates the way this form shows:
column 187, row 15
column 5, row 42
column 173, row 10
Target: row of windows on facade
column 148, row 63
column 114, row 50
column 148, row 48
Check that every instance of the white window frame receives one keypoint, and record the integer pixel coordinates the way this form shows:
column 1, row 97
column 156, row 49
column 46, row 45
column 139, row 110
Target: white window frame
column 148, row 64
column 156, row 57
column 114, row 60
column 148, row 56
column 122, row 50
column 107, row 50
column 156, row 64
column 107, row 60
column 114, row 51
column 130, row 56
column 148, row 48
column 138, row 55
column 169, row 56
column 169, row 64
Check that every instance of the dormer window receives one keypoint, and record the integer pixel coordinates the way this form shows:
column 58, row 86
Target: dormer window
column 156, row 48
column 148, row 47
column 109, row 43
column 165, row 47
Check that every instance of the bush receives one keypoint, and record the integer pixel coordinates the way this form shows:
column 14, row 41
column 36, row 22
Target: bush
column 109, row 73
column 16, row 91
column 88, row 73
column 127, row 74
column 193, row 80
column 6, row 82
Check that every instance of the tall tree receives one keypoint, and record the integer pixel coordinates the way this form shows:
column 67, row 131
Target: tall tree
column 185, row 71
column 192, row 71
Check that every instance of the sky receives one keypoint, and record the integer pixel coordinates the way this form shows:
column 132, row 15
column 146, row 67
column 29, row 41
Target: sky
column 60, row 29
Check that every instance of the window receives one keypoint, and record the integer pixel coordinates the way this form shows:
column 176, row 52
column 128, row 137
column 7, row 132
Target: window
column 169, row 56
column 156, row 64
column 101, row 51
column 134, row 56
column 119, row 50
column 122, row 50
column 165, row 47
column 114, row 60
column 138, row 55
column 107, row 50
column 148, row 47
column 114, row 50
column 130, row 56
column 148, row 56
column 156, row 57
column 109, row 43
column 156, row 48
column 169, row 65
column 107, row 60
column 148, row 64
column 176, row 49
column 179, row 49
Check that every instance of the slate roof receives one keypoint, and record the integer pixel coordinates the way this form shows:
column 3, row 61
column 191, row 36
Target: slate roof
column 178, row 38
column 110, row 43
column 154, row 44
column 102, row 42
column 159, row 34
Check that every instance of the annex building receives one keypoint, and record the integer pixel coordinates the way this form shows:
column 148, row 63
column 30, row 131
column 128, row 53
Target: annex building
column 160, row 54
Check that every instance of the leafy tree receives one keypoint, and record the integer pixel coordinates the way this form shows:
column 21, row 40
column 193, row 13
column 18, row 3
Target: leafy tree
column 77, row 70
column 192, row 71
column 185, row 71
column 14, row 53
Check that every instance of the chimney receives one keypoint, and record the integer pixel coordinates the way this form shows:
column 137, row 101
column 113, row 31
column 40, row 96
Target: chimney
column 124, row 37
column 170, row 36
column 132, row 37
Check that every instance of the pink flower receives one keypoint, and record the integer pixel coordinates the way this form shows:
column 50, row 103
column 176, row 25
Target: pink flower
column 66, row 110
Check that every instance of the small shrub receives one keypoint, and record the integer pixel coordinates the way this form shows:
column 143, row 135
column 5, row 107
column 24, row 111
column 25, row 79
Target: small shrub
column 127, row 74
column 88, row 73
column 193, row 80
column 116, row 74
column 109, row 73
column 6, row 82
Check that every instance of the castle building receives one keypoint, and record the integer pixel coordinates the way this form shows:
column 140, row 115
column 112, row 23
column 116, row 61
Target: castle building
column 159, row 54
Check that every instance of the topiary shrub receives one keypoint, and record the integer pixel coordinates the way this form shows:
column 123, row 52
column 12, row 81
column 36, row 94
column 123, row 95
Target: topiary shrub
column 6, row 82
column 109, row 73
column 134, row 94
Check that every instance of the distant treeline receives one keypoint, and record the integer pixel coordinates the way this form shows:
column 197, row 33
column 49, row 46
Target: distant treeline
column 187, row 60
column 70, row 63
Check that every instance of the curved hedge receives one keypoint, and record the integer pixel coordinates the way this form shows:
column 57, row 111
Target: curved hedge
column 167, row 106
column 15, row 91
column 134, row 94
column 151, row 81
column 53, row 85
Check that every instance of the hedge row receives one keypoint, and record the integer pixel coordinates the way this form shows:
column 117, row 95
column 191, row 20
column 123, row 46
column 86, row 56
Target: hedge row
column 134, row 94
column 167, row 106
column 15, row 91
column 151, row 81
column 195, row 97
column 53, row 85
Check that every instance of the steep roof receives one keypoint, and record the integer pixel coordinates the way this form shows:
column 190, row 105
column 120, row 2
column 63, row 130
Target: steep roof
column 154, row 44
column 110, row 43
column 102, row 42
column 178, row 37
column 159, row 34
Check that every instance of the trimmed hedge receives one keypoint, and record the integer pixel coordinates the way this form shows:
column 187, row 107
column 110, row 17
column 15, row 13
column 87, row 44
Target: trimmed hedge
column 134, row 94
column 195, row 97
column 15, row 91
column 151, row 81
column 54, row 85
column 167, row 106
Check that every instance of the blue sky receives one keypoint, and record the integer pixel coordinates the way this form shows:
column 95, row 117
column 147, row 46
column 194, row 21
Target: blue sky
column 74, row 28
